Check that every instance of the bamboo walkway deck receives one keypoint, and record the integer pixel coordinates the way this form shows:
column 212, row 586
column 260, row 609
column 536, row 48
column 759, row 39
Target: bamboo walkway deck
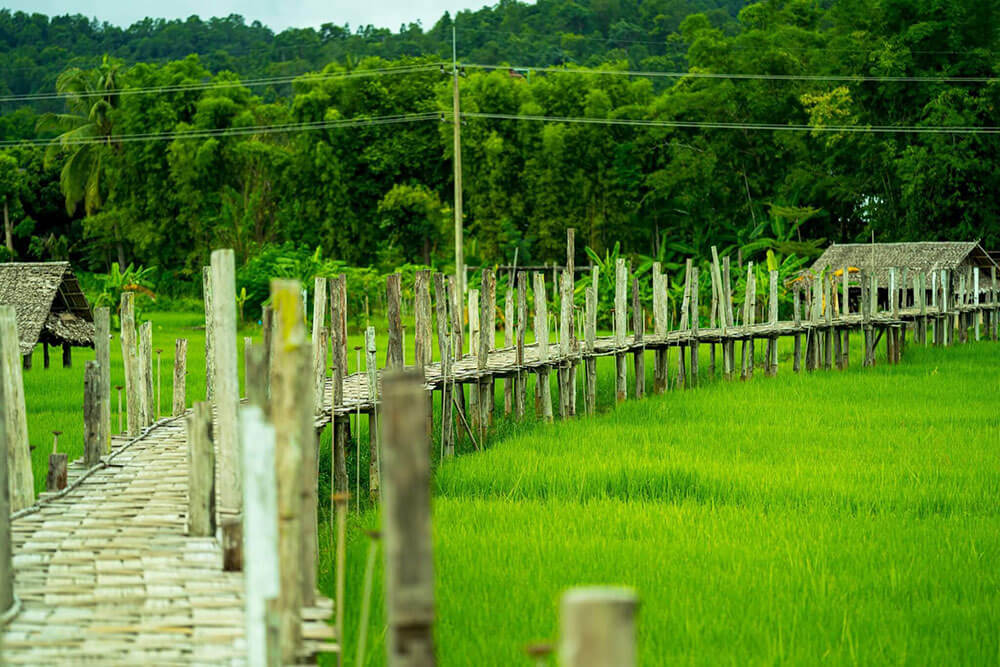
column 106, row 573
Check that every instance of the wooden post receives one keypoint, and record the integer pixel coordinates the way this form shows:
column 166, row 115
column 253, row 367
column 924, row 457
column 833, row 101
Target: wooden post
column 828, row 322
column 260, row 533
column 521, row 384
column 659, row 328
column 15, row 423
column 508, row 342
column 180, row 377
column 597, row 627
column 159, row 355
column 566, row 387
column 749, row 312
column 639, row 352
column 201, row 471
column 67, row 356
column 543, row 391
column 684, row 325
column 423, row 338
column 621, row 328
column 975, row 302
column 797, row 322
column 102, row 353
column 319, row 342
column 394, row 351
column 338, row 328
column 712, row 323
column 92, row 445
column 486, row 341
column 294, row 441
column 574, row 344
column 694, row 347
column 130, row 361
column 206, row 280
column 771, row 368
column 6, row 565
column 146, row 371
column 441, row 301
column 57, row 476
column 406, row 521
column 226, row 396
column 475, row 311
column 866, row 325
column 374, row 455
column 590, row 361
column 728, row 344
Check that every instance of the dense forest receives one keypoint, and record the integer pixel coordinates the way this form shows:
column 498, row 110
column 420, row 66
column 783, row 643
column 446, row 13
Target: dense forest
column 154, row 143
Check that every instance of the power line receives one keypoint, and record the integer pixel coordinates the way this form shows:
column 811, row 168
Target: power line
column 211, row 85
column 707, row 125
column 768, row 77
column 233, row 131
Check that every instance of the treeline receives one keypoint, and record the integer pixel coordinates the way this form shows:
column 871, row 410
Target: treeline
column 176, row 173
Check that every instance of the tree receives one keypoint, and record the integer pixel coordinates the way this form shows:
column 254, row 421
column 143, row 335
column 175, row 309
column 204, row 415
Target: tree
column 11, row 187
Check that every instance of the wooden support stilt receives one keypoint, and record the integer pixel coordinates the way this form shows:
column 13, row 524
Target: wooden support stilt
column 828, row 324
column 685, row 325
column 319, row 342
column 206, row 281
column 338, row 329
column 771, row 365
column 749, row 317
column 226, row 381
column 589, row 361
column 201, row 472
column 695, row 315
column 423, row 338
column 441, row 301
column 565, row 344
column 598, row 627
column 180, row 377
column 130, row 359
column 67, row 355
column 639, row 353
column 102, row 353
column 621, row 329
column 543, row 394
column 93, row 448
column 508, row 342
column 728, row 345
column 521, row 379
column 797, row 321
column 6, row 564
column 147, row 398
column 659, row 329
column 406, row 521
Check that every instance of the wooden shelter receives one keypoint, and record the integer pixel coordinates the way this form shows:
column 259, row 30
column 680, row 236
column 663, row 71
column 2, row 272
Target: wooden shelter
column 51, row 308
column 923, row 256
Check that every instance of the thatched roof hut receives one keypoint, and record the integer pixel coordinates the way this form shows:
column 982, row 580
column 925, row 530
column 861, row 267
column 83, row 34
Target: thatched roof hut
column 917, row 257
column 51, row 308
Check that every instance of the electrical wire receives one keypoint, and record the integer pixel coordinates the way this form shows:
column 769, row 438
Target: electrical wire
column 228, row 132
column 766, row 77
column 877, row 129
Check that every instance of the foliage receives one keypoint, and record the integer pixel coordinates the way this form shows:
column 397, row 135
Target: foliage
column 110, row 287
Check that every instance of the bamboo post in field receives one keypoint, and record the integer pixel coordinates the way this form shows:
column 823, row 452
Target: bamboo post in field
column 771, row 368
column 394, row 351
column 102, row 353
column 180, row 377
column 574, row 344
column 866, row 326
column 159, row 355
column 92, row 445
column 565, row 344
column 130, row 360
column 621, row 328
column 423, row 339
column 543, row 394
column 508, row 342
column 746, row 370
column 590, row 361
column 146, row 372
column 206, row 280
column 444, row 352
column 247, row 346
column 261, row 573
column 975, row 302
column 685, row 324
column 6, row 565
column 797, row 323
column 226, row 386
column 694, row 347
column 712, row 324
column 15, row 422
column 521, row 380
column 639, row 352
column 374, row 453
column 319, row 342
column 294, row 435
column 486, row 335
column 597, row 627
column 57, row 475
column 921, row 295
column 201, row 471
column 659, row 329
column 827, row 324
column 338, row 328
column 267, row 331
column 406, row 525
column 728, row 344
column 474, row 346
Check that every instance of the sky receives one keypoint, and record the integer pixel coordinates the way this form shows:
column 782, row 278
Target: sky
column 276, row 14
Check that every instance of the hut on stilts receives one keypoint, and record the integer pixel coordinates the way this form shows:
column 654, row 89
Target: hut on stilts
column 51, row 308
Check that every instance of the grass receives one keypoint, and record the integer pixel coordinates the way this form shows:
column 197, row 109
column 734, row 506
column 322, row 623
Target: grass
column 843, row 517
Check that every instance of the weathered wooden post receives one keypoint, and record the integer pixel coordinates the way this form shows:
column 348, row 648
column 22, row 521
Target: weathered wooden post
column 508, row 342
column 374, row 453
column 133, row 389
column 180, row 377
column 57, row 475
column 6, row 547
column 146, row 398
column 15, row 423
column 226, row 384
column 920, row 288
column 728, row 344
column 423, row 339
column 260, row 515
column 475, row 311
column 695, row 314
column 621, row 329
column 394, row 349
column 294, row 439
column 406, row 523
column 659, row 328
column 102, row 352
column 486, row 341
column 206, row 281
column 597, row 627
column 845, row 346
column 319, row 341
column 866, row 316
column 521, row 379
column 828, row 324
column 444, row 352
column 574, row 344
column 92, row 445
column 566, row 387
column 590, row 361
column 749, row 316
column 338, row 328
column 771, row 368
column 543, row 393
column 639, row 351
column 975, row 302
column 684, row 325
column 67, row 356
column 797, row 323
column 201, row 471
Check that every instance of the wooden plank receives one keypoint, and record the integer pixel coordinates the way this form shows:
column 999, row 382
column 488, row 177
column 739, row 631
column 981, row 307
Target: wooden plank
column 406, row 521
column 201, row 472
column 20, row 479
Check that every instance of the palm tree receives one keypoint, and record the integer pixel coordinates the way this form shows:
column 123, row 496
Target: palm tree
column 86, row 137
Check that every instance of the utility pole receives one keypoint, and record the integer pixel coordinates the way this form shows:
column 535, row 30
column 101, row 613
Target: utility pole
column 457, row 163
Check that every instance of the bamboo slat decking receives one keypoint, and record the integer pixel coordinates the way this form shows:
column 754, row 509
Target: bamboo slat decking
column 106, row 573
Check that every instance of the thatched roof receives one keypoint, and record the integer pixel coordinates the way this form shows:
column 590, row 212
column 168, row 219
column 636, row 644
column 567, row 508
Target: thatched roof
column 49, row 303
column 919, row 256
